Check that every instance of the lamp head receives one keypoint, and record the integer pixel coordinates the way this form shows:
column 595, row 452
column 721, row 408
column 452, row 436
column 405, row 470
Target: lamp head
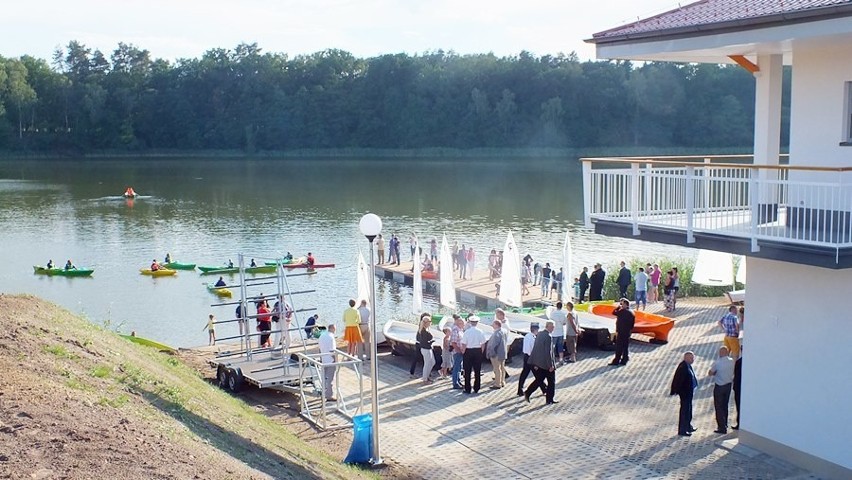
column 370, row 225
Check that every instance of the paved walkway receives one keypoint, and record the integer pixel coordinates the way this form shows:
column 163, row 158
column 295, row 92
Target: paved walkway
column 610, row 422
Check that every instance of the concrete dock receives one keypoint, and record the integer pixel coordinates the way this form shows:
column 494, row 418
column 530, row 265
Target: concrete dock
column 476, row 290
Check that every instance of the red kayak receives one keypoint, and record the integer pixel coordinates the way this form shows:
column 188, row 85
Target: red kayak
column 305, row 265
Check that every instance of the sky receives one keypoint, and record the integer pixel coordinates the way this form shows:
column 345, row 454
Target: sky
column 173, row 29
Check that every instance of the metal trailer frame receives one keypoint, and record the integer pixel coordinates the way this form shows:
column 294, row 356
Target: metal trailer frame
column 317, row 411
column 275, row 367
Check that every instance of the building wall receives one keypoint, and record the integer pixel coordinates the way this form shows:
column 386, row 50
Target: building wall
column 820, row 71
column 797, row 377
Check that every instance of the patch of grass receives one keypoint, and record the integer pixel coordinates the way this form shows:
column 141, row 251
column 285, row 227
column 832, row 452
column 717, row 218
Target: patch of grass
column 60, row 351
column 132, row 376
column 171, row 393
column 116, row 402
column 76, row 384
column 101, row 371
column 173, row 361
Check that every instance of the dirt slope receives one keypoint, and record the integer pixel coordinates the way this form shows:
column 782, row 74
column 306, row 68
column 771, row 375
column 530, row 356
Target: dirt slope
column 77, row 401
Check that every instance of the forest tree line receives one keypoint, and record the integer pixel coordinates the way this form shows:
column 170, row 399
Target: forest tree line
column 248, row 100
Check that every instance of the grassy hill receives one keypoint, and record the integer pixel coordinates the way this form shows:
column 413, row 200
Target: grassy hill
column 78, row 401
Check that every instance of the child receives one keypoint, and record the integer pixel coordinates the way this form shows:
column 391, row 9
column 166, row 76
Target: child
column 446, row 355
column 211, row 329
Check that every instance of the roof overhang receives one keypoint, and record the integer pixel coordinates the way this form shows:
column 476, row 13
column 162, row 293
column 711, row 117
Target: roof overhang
column 712, row 44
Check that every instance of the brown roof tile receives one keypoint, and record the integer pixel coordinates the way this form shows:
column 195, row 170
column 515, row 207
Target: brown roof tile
column 707, row 13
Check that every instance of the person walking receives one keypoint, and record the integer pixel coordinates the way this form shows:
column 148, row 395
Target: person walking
column 462, row 261
column 722, row 372
column 584, row 284
column 327, row 346
column 543, row 365
column 425, row 340
column 730, row 323
column 455, row 347
column 211, row 329
column 596, row 283
column 495, row 351
column 529, row 341
column 623, row 280
column 624, row 321
column 472, row 342
column 737, row 386
column 683, row 385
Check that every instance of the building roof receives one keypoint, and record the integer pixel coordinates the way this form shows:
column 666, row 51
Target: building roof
column 711, row 16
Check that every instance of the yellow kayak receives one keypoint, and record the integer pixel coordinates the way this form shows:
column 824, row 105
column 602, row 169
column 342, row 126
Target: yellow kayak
column 163, row 272
column 220, row 291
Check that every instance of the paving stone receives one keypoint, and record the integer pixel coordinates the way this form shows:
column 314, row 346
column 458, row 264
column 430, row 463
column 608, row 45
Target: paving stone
column 611, row 422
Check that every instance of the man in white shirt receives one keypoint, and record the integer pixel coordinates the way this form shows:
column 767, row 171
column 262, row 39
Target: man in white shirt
column 471, row 346
column 722, row 372
column 328, row 345
column 364, row 326
column 560, row 318
column 529, row 341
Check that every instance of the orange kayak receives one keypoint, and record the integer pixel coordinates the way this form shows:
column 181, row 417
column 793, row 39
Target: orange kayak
column 650, row 324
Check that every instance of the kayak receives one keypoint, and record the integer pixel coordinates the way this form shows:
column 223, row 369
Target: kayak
column 218, row 267
column 179, row 266
column 78, row 272
column 288, row 261
column 220, row 291
column 305, row 265
column 225, row 269
column 262, row 269
column 163, row 272
column 148, row 343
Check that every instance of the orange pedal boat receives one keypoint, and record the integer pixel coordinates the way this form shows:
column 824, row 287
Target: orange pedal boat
column 650, row 324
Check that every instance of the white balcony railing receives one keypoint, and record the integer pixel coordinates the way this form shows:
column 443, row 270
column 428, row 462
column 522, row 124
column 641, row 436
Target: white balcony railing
column 802, row 205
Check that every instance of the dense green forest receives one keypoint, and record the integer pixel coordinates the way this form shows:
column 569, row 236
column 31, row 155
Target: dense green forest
column 248, row 100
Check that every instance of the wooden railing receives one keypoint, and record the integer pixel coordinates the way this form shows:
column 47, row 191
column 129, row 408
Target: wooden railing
column 724, row 194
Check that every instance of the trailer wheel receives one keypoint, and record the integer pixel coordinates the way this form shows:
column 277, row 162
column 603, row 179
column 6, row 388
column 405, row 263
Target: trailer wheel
column 222, row 376
column 235, row 380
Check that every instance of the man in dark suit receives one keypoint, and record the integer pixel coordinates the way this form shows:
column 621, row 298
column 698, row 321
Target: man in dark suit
column 623, row 281
column 543, row 365
column 596, row 283
column 738, row 379
column 683, row 385
column 624, row 321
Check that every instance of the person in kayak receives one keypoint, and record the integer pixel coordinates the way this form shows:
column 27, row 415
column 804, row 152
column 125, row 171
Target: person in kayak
column 154, row 265
column 288, row 258
column 230, row 263
column 253, row 263
column 70, row 266
column 129, row 192
column 50, row 264
column 310, row 261
column 221, row 282
column 168, row 258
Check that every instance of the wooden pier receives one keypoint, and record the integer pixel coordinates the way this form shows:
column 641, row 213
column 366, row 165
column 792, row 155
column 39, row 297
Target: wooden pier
column 479, row 291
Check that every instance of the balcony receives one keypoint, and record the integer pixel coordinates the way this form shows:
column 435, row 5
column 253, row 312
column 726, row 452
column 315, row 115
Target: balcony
column 788, row 213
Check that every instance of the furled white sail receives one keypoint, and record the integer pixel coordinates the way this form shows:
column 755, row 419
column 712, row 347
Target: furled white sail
column 510, row 274
column 741, row 271
column 448, row 288
column 363, row 279
column 417, row 284
column 567, row 269
column 715, row 269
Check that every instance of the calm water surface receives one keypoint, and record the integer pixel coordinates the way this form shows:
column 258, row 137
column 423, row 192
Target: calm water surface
column 206, row 212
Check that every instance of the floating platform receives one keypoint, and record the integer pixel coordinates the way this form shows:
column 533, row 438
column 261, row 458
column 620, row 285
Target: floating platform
column 480, row 291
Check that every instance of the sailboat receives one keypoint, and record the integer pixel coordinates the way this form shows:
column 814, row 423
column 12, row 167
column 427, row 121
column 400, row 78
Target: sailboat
column 448, row 288
column 510, row 274
column 417, row 282
column 567, row 270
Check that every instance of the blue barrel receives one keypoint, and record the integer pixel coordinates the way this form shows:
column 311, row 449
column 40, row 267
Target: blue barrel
column 361, row 450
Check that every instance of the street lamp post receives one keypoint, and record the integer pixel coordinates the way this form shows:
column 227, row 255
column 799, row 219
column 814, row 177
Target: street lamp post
column 371, row 226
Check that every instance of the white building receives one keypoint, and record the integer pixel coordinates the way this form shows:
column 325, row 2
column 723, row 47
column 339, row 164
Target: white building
column 794, row 222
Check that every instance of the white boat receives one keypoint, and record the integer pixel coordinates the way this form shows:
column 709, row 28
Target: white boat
column 402, row 337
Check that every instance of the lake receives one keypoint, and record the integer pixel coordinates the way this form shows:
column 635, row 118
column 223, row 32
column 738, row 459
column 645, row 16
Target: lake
column 209, row 211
